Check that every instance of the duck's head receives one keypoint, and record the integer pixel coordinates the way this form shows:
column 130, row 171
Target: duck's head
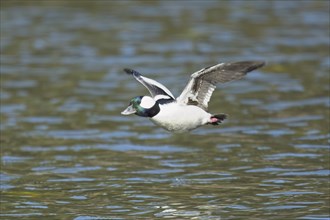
column 144, row 106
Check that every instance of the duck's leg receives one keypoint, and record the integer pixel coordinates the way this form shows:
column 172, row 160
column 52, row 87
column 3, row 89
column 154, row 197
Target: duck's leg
column 217, row 119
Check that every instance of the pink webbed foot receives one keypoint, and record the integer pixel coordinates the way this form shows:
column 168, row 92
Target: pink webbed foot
column 217, row 119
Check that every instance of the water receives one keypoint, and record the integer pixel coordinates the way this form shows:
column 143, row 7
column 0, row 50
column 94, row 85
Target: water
column 67, row 153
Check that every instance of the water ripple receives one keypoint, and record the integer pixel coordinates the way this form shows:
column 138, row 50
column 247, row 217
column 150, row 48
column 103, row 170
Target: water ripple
column 291, row 155
column 283, row 105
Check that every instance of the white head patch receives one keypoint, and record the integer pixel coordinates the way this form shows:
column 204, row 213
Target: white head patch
column 147, row 102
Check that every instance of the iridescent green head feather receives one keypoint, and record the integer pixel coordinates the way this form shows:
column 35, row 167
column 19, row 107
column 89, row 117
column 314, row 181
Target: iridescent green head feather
column 144, row 106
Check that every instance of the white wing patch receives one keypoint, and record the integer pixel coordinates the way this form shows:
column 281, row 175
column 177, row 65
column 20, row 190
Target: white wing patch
column 157, row 97
column 154, row 87
column 205, row 93
column 155, row 83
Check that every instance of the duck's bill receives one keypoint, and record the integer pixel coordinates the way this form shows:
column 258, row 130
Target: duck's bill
column 128, row 111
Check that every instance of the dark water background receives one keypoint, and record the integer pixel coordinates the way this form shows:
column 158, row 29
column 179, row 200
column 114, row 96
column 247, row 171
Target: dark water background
column 67, row 153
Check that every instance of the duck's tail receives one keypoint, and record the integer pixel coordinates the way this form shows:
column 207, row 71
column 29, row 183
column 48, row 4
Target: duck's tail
column 217, row 119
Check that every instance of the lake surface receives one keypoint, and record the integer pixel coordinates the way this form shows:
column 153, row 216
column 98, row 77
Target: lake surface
column 67, row 153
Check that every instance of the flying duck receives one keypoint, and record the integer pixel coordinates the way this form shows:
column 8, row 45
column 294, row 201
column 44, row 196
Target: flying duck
column 189, row 110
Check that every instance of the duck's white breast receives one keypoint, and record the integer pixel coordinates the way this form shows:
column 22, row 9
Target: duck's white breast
column 180, row 118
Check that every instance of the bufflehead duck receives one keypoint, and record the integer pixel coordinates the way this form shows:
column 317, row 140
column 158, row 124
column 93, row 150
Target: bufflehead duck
column 189, row 110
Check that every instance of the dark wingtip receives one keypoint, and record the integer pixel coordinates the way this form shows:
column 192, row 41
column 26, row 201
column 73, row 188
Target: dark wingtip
column 259, row 64
column 131, row 72
column 128, row 71
column 245, row 66
column 255, row 65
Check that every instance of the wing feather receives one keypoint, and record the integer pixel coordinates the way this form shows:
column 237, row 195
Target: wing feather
column 154, row 87
column 199, row 89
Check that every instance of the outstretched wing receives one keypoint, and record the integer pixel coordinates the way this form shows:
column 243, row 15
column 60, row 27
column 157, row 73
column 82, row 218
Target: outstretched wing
column 199, row 89
column 157, row 90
